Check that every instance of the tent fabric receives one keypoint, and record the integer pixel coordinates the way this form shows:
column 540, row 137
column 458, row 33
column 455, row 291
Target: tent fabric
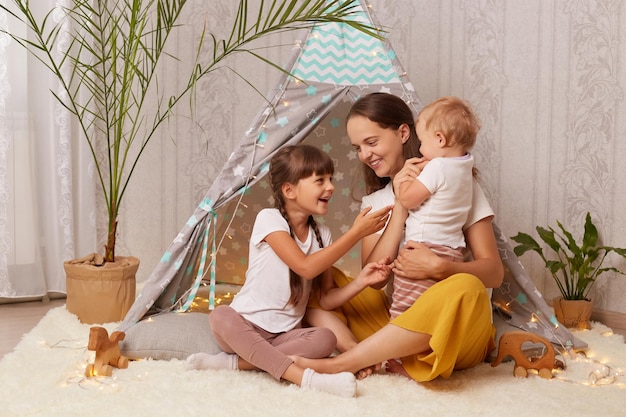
column 521, row 304
column 329, row 71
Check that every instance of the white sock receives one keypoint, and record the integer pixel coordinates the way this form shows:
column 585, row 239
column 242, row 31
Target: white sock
column 220, row 360
column 342, row 384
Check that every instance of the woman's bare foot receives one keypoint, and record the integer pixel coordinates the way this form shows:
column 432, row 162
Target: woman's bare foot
column 324, row 366
column 395, row 367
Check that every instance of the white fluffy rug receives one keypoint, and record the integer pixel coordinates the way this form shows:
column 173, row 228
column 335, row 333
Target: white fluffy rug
column 44, row 377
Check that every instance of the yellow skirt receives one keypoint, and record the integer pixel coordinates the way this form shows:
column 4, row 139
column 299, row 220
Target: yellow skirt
column 456, row 312
column 364, row 314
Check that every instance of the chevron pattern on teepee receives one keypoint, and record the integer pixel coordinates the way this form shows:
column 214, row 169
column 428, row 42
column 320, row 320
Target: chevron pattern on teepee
column 338, row 54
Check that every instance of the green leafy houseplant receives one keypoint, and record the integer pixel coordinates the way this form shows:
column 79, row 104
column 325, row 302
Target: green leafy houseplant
column 577, row 265
column 107, row 66
column 575, row 268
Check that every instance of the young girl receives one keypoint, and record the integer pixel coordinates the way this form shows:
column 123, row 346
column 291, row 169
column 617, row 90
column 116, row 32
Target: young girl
column 288, row 250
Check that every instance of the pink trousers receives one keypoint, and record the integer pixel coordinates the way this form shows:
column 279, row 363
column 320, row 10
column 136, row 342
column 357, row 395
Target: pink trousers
column 264, row 350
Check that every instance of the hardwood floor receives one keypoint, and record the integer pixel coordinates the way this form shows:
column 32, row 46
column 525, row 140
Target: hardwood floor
column 18, row 319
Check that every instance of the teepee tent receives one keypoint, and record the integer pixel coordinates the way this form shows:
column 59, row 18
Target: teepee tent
column 331, row 69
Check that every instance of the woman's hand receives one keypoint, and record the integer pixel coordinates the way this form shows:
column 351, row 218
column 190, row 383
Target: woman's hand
column 417, row 261
column 367, row 223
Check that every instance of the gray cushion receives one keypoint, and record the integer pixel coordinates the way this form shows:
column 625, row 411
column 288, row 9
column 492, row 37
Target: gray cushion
column 169, row 336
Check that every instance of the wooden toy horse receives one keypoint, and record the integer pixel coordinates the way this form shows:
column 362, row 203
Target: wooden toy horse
column 107, row 352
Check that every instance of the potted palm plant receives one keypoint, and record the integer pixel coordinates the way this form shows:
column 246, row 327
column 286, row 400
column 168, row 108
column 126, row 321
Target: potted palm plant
column 105, row 55
column 575, row 267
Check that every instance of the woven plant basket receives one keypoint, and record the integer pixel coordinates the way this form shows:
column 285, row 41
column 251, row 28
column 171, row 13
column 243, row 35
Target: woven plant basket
column 573, row 314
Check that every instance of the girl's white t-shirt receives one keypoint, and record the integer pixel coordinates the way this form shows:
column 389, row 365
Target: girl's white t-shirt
column 263, row 299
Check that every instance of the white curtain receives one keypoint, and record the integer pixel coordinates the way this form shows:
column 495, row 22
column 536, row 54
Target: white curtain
column 47, row 200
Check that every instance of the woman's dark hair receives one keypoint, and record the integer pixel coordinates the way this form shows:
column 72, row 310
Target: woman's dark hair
column 289, row 165
column 389, row 112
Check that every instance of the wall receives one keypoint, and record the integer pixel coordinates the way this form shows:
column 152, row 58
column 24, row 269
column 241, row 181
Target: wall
column 546, row 78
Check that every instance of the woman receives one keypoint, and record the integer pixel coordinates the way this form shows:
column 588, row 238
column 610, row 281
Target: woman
column 449, row 327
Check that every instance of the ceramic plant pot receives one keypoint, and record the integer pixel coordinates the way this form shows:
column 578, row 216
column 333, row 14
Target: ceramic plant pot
column 573, row 314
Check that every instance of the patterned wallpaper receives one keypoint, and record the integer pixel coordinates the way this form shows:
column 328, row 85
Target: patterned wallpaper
column 546, row 78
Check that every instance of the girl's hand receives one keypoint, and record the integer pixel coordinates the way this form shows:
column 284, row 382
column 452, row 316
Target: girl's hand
column 374, row 273
column 366, row 224
column 411, row 169
column 417, row 261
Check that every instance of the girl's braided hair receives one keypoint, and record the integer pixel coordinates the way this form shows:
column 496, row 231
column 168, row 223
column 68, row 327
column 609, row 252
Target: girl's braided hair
column 289, row 165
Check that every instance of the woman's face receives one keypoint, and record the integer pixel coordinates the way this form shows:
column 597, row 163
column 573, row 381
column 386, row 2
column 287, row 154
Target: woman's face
column 378, row 148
